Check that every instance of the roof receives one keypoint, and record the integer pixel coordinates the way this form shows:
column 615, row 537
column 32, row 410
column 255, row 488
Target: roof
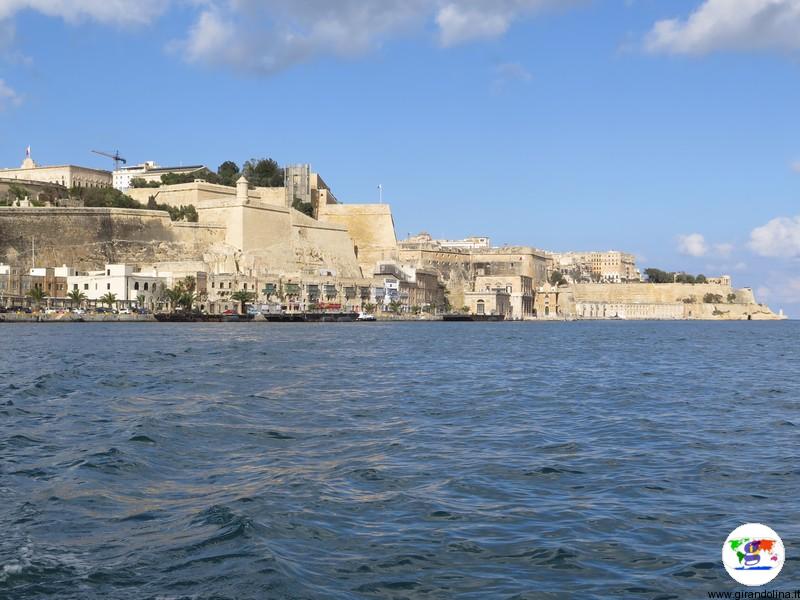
column 174, row 169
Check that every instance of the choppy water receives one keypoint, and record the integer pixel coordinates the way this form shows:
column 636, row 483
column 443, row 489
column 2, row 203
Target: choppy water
column 556, row 460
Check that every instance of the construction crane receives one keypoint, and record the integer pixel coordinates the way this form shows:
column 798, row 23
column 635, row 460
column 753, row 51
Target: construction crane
column 115, row 157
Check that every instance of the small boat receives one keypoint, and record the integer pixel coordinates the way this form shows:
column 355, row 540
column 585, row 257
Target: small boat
column 365, row 317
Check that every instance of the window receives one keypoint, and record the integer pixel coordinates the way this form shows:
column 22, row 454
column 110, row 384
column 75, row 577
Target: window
column 108, row 286
column 108, row 272
column 145, row 286
column 245, row 286
column 86, row 286
column 74, row 286
column 136, row 286
column 481, row 307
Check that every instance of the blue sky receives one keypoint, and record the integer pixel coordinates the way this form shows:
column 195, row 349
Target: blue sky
column 668, row 129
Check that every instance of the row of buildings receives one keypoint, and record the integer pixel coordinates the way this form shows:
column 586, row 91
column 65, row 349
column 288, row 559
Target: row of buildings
column 251, row 239
column 127, row 286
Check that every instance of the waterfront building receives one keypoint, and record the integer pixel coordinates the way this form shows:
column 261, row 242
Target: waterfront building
column 519, row 288
column 130, row 287
column 62, row 175
column 488, row 302
column 17, row 282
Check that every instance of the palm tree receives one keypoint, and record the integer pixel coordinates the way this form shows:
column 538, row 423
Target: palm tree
column 76, row 297
column 395, row 307
column 369, row 307
column 37, row 295
column 174, row 297
column 110, row 298
column 243, row 297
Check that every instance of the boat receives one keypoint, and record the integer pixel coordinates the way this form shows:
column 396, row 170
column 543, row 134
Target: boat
column 488, row 318
column 179, row 317
column 365, row 317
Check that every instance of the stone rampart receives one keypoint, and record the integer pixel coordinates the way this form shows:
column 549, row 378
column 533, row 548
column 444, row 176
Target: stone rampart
column 88, row 238
column 665, row 301
column 371, row 227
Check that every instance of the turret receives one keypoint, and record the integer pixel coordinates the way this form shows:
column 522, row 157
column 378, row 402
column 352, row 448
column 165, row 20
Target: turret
column 242, row 190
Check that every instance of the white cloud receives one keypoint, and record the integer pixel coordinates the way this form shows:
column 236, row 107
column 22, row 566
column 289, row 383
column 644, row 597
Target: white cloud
column 104, row 11
column 693, row 244
column 264, row 36
column 778, row 238
column 8, row 97
column 730, row 25
column 723, row 250
column 466, row 20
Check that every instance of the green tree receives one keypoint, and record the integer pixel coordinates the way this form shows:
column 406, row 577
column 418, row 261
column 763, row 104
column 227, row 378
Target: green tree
column 658, row 276
column 701, row 279
column 243, row 297
column 304, row 207
column 15, row 193
column 37, row 295
column 174, row 297
column 395, row 306
column 712, row 298
column 103, row 197
column 557, row 278
column 141, row 182
column 731, row 298
column 369, row 307
column 228, row 173
column 76, row 297
column 263, row 172
column 109, row 298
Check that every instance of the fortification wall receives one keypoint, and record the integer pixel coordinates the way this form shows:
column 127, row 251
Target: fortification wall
column 665, row 301
column 88, row 238
column 197, row 193
column 323, row 245
column 656, row 293
column 33, row 187
column 371, row 228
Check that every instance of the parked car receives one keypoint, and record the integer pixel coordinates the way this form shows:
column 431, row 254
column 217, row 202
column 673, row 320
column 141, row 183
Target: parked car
column 78, row 311
column 125, row 311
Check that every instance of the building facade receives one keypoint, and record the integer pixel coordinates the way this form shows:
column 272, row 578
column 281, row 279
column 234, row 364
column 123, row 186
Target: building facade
column 63, row 175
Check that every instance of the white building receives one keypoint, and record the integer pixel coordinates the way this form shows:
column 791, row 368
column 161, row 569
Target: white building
column 470, row 243
column 130, row 288
column 149, row 171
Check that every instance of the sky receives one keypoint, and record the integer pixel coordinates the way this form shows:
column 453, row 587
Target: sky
column 666, row 129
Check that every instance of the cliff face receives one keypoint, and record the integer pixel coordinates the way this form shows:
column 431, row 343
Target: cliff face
column 88, row 238
column 666, row 301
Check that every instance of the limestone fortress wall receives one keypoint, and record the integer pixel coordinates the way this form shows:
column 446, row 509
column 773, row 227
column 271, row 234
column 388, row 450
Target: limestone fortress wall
column 88, row 238
column 371, row 227
column 663, row 301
